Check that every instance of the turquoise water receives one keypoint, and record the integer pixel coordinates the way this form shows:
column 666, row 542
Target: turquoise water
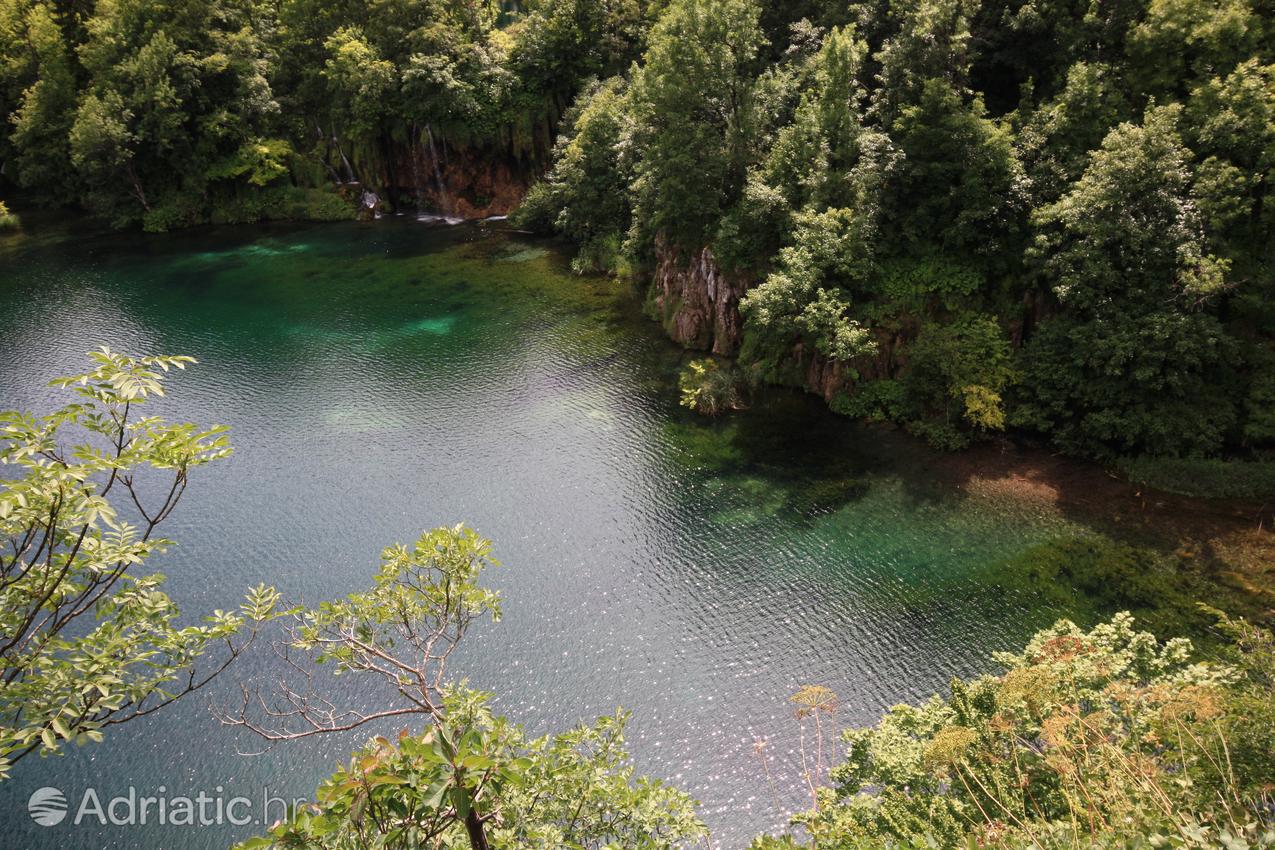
column 384, row 378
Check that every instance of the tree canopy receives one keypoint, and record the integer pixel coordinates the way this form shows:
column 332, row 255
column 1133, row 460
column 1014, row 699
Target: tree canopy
column 1092, row 181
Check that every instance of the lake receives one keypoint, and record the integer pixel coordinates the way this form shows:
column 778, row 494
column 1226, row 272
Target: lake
column 388, row 377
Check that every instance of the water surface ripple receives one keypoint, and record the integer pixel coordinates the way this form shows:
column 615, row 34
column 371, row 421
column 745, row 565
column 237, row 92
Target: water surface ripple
column 381, row 379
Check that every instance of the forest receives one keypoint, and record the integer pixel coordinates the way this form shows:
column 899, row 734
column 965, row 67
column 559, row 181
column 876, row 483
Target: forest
column 1048, row 219
column 1052, row 217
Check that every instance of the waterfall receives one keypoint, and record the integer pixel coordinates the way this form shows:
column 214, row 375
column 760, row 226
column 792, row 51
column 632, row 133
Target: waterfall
column 439, row 183
column 416, row 167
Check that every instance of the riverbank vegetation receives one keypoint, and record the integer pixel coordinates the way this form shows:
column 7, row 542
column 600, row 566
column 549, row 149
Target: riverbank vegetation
column 1203, row 477
column 960, row 216
column 1098, row 738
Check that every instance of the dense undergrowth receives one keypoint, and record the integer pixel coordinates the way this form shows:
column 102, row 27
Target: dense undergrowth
column 1203, row 477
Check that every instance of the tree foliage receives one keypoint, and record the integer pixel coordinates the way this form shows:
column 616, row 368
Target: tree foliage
column 1099, row 176
column 88, row 638
column 1102, row 738
column 470, row 777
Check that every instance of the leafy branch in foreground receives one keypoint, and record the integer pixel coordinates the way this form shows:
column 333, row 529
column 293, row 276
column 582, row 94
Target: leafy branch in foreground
column 85, row 641
column 402, row 631
column 470, row 776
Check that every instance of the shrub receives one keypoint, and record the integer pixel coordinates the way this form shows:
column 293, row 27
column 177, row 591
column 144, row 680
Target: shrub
column 7, row 219
column 601, row 254
column 956, row 377
column 710, row 388
column 1102, row 738
column 880, row 400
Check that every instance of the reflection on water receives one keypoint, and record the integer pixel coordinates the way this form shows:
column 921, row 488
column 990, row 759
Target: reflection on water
column 381, row 379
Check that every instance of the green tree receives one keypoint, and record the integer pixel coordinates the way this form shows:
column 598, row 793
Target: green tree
column 361, row 83
column 88, row 641
column 101, row 150
column 807, row 299
column 574, row 789
column 957, row 376
column 1179, row 41
column 469, row 773
column 961, row 188
column 930, row 42
column 1133, row 364
column 45, row 110
column 1231, row 123
column 1055, row 138
column 586, row 194
column 692, row 102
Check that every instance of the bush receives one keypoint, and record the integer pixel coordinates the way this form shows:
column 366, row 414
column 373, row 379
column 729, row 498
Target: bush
column 7, row 219
column 1105, row 738
column 881, row 400
column 601, row 254
column 538, row 209
column 710, row 388
column 174, row 212
column 321, row 205
column 956, row 377
column 271, row 203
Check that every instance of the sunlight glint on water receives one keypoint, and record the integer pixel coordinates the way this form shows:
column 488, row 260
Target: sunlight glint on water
column 381, row 379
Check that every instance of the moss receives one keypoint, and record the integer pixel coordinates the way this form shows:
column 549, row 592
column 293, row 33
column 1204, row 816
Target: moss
column 825, row 495
column 1203, row 478
column 703, row 446
column 1094, row 577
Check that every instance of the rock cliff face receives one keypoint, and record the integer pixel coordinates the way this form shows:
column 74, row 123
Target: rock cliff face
column 696, row 301
column 457, row 182
column 827, row 378
column 698, row 304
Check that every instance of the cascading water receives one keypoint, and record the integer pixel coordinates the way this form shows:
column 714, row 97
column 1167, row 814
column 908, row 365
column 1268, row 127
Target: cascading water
column 349, row 169
column 440, row 185
column 416, row 168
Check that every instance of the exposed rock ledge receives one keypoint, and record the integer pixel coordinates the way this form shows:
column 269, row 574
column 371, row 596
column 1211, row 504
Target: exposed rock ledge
column 828, row 378
column 698, row 304
column 468, row 183
column 696, row 301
